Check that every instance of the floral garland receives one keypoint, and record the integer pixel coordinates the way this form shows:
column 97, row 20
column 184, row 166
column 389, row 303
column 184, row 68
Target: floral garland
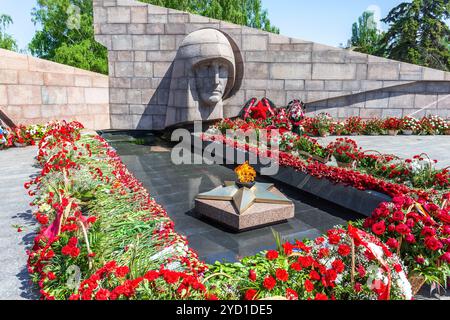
column 64, row 241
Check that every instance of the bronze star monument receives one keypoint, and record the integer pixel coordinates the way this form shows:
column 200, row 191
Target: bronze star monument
column 243, row 208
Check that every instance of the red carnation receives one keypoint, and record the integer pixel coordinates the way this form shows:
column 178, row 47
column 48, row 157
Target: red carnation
column 250, row 294
column 91, row 220
column 446, row 257
column 72, row 242
column 433, row 244
column 51, row 276
column 296, row 266
column 398, row 216
column 171, row 277
column 392, row 243
column 334, row 239
column 291, row 294
column 331, row 275
column 344, row 250
column 362, row 271
column 288, row 248
column 309, row 286
column 269, row 283
column 379, row 228
column 314, row 275
column 338, row 265
column 66, row 250
column 75, row 252
column 252, row 275
column 272, row 255
column 306, row 262
column 121, row 272
column 282, row 275
column 102, row 294
column 321, row 296
column 402, row 229
column 152, row 275
column 410, row 238
column 420, row 260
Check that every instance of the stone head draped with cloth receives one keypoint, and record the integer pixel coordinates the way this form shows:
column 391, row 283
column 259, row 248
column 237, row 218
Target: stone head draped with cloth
column 203, row 76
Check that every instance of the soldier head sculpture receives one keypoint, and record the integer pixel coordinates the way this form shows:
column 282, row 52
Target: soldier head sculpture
column 203, row 76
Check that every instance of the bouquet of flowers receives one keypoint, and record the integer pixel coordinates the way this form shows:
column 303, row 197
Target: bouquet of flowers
column 37, row 131
column 410, row 125
column 319, row 125
column 354, row 125
column 288, row 140
column 307, row 146
column 393, row 125
column 373, row 127
column 345, row 151
column 343, row 265
column 281, row 121
column 296, row 112
column 434, row 125
column 22, row 136
column 338, row 128
column 5, row 138
column 418, row 232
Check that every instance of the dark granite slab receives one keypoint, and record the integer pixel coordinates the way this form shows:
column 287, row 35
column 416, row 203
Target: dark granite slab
column 175, row 188
column 363, row 202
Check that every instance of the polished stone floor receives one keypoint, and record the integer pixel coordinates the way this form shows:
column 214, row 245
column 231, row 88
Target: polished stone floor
column 175, row 187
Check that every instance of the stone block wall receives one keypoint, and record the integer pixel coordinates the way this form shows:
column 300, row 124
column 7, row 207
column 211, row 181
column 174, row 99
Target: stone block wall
column 143, row 41
column 36, row 91
column 418, row 99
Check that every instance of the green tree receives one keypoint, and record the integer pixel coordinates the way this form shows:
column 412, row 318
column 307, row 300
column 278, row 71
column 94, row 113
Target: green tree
column 67, row 35
column 418, row 33
column 366, row 37
column 243, row 12
column 6, row 40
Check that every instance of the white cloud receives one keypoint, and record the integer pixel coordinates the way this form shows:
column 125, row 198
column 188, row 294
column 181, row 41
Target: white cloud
column 376, row 14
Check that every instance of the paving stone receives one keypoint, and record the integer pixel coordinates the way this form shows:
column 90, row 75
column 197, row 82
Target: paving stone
column 16, row 211
column 405, row 146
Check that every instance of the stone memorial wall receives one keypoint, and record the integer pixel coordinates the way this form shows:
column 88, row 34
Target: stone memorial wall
column 35, row 91
column 169, row 67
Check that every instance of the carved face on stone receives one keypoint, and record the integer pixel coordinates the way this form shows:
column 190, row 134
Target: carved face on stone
column 203, row 76
column 211, row 78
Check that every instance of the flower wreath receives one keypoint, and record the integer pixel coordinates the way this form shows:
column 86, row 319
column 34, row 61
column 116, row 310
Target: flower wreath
column 296, row 111
column 255, row 109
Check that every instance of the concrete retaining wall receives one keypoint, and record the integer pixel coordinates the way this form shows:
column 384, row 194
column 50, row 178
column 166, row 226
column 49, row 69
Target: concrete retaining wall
column 36, row 91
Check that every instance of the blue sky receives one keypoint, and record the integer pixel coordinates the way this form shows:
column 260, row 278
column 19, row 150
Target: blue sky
column 324, row 21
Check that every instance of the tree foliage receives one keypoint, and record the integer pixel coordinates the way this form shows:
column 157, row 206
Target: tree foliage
column 67, row 35
column 6, row 40
column 418, row 33
column 243, row 12
column 366, row 37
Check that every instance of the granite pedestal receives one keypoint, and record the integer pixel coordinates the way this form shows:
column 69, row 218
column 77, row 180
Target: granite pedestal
column 258, row 215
